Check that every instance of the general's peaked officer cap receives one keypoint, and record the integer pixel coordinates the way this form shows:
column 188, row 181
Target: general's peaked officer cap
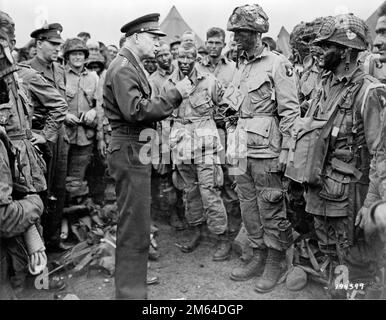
column 50, row 32
column 147, row 23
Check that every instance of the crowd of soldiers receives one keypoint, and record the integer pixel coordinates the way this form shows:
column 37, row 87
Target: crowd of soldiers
column 289, row 151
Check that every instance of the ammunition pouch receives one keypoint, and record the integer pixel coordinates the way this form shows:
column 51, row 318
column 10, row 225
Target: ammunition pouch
column 335, row 185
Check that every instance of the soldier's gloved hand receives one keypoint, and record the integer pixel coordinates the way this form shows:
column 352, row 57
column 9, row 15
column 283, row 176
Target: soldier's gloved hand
column 184, row 87
column 71, row 120
column 283, row 159
column 38, row 139
column 89, row 117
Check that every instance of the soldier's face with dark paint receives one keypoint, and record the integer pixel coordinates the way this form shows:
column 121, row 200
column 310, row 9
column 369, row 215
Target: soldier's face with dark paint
column 186, row 60
column 245, row 40
column 150, row 65
column 164, row 57
column 331, row 57
column 95, row 67
column 380, row 39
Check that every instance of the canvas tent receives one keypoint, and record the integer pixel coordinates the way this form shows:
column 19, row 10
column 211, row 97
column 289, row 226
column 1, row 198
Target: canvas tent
column 174, row 25
column 282, row 42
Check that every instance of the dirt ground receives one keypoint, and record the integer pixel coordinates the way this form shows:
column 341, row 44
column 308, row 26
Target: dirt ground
column 182, row 276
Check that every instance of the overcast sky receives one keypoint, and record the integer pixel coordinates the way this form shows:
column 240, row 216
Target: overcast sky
column 104, row 18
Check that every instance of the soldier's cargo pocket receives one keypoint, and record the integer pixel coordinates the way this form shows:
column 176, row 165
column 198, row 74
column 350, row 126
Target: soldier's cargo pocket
column 272, row 196
column 271, row 206
column 259, row 89
column 258, row 132
column 113, row 148
column 200, row 102
column 70, row 94
column 335, row 186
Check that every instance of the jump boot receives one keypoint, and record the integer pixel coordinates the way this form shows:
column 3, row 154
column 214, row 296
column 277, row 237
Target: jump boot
column 194, row 240
column 223, row 247
column 175, row 221
column 251, row 269
column 272, row 272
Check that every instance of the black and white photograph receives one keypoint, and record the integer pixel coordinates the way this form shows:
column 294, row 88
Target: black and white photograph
column 194, row 154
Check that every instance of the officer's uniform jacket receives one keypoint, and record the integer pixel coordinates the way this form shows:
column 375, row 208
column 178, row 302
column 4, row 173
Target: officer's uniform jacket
column 127, row 95
column 194, row 133
column 45, row 97
column 54, row 73
column 81, row 91
column 269, row 108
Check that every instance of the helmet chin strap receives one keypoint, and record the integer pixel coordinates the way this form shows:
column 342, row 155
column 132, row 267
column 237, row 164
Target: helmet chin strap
column 348, row 59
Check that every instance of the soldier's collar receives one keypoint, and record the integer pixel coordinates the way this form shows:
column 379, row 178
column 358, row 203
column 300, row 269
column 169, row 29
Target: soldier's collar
column 260, row 52
column 43, row 63
column 71, row 69
column 347, row 77
column 196, row 76
column 206, row 61
column 126, row 52
column 165, row 73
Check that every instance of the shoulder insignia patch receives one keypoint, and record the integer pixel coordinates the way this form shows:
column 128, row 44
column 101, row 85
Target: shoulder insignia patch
column 289, row 70
column 124, row 62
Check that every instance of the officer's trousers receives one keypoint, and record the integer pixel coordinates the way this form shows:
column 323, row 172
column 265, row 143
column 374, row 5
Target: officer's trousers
column 133, row 189
column 56, row 181
column 203, row 201
column 79, row 157
column 261, row 192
